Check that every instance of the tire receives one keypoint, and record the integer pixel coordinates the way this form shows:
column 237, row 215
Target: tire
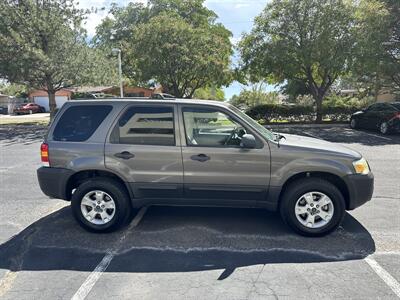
column 293, row 200
column 353, row 123
column 91, row 190
column 384, row 128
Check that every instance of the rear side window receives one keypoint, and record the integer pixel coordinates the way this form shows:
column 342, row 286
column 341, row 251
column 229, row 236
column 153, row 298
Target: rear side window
column 78, row 123
column 145, row 125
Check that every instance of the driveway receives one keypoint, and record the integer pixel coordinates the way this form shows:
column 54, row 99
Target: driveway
column 196, row 253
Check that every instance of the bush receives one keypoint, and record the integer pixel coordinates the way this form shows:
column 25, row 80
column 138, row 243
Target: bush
column 333, row 109
column 279, row 112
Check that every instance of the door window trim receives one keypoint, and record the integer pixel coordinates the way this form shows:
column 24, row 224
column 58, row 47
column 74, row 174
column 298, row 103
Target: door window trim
column 141, row 104
column 259, row 142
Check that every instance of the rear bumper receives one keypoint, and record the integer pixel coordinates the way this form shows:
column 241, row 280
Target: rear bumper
column 361, row 188
column 53, row 181
column 394, row 125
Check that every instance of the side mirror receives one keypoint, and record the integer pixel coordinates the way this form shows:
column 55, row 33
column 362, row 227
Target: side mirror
column 248, row 141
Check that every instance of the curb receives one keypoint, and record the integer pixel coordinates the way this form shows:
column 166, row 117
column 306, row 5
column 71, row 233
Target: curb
column 306, row 125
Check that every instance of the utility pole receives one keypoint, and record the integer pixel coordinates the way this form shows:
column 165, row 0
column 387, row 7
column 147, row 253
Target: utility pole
column 121, row 87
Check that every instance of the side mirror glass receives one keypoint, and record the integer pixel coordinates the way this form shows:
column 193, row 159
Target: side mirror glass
column 248, row 141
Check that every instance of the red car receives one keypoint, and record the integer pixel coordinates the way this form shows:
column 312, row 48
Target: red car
column 29, row 108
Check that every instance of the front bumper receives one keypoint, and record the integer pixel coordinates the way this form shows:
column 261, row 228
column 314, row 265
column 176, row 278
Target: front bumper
column 53, row 181
column 361, row 188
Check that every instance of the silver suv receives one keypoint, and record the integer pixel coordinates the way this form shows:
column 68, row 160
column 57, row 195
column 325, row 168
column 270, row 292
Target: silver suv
column 110, row 157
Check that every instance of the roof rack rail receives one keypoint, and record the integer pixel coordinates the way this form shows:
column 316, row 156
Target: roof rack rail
column 162, row 96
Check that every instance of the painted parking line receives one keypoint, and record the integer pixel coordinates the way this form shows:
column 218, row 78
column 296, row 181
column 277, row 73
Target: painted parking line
column 384, row 275
column 378, row 136
column 89, row 283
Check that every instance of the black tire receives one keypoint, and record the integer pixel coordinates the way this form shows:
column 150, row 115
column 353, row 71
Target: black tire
column 119, row 195
column 302, row 186
column 353, row 123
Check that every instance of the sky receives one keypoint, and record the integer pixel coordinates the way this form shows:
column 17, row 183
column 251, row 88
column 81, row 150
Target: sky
column 236, row 15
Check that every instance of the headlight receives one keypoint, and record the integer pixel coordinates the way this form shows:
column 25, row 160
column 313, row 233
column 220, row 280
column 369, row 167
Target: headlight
column 361, row 166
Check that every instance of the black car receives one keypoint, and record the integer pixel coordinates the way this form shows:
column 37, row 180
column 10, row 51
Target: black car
column 384, row 117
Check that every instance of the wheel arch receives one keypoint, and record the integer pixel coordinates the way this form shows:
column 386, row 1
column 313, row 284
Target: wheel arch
column 79, row 177
column 330, row 177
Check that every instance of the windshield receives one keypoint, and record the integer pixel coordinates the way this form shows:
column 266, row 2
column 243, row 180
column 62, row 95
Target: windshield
column 261, row 129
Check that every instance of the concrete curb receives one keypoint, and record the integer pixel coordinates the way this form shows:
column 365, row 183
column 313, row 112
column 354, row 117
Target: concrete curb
column 306, row 125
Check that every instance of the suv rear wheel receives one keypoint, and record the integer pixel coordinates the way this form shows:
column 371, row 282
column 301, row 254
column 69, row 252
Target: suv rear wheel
column 312, row 206
column 101, row 205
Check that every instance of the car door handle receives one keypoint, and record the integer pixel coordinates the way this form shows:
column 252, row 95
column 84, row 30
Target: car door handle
column 124, row 155
column 200, row 157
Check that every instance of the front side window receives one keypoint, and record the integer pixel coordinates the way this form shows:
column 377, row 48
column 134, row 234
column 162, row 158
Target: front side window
column 146, row 125
column 78, row 123
column 209, row 127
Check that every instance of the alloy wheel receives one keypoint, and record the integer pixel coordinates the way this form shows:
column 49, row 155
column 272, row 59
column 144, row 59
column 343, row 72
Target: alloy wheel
column 98, row 207
column 384, row 128
column 314, row 209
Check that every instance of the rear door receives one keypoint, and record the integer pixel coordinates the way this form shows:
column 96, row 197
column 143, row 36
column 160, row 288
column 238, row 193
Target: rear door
column 216, row 169
column 372, row 116
column 143, row 147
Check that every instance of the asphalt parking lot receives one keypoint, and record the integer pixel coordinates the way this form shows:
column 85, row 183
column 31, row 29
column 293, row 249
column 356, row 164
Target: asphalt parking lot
column 196, row 253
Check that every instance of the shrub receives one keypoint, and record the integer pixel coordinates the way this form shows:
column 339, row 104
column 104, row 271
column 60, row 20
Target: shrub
column 279, row 112
column 333, row 109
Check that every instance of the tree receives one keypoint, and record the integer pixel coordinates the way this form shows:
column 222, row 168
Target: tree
column 377, row 54
column 43, row 45
column 210, row 93
column 256, row 95
column 179, row 56
column 16, row 90
column 310, row 41
column 176, row 43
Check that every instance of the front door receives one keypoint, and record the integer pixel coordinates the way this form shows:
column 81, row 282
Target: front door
column 143, row 148
column 216, row 167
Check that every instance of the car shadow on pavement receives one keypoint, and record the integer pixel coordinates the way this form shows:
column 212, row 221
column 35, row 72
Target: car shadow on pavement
column 21, row 134
column 345, row 135
column 180, row 239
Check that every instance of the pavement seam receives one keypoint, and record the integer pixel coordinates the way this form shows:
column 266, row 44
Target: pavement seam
column 95, row 275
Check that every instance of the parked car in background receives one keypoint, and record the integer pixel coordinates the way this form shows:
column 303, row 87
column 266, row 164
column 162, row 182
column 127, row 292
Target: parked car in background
column 384, row 117
column 162, row 96
column 109, row 157
column 29, row 108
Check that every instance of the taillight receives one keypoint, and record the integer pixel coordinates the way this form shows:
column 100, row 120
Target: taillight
column 44, row 154
column 395, row 116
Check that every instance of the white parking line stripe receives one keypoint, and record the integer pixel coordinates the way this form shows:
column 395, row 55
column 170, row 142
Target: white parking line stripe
column 384, row 275
column 378, row 136
column 89, row 283
column 87, row 286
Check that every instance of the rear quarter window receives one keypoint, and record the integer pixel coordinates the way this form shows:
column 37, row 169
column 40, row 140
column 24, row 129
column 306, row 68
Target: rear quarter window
column 78, row 123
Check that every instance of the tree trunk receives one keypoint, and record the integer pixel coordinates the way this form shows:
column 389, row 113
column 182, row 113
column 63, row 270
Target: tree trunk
column 318, row 101
column 52, row 103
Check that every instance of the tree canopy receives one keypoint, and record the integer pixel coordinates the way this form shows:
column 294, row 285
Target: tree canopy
column 255, row 95
column 309, row 41
column 43, row 46
column 175, row 43
column 376, row 62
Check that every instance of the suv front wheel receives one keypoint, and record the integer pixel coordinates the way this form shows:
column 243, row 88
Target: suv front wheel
column 312, row 206
column 101, row 205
